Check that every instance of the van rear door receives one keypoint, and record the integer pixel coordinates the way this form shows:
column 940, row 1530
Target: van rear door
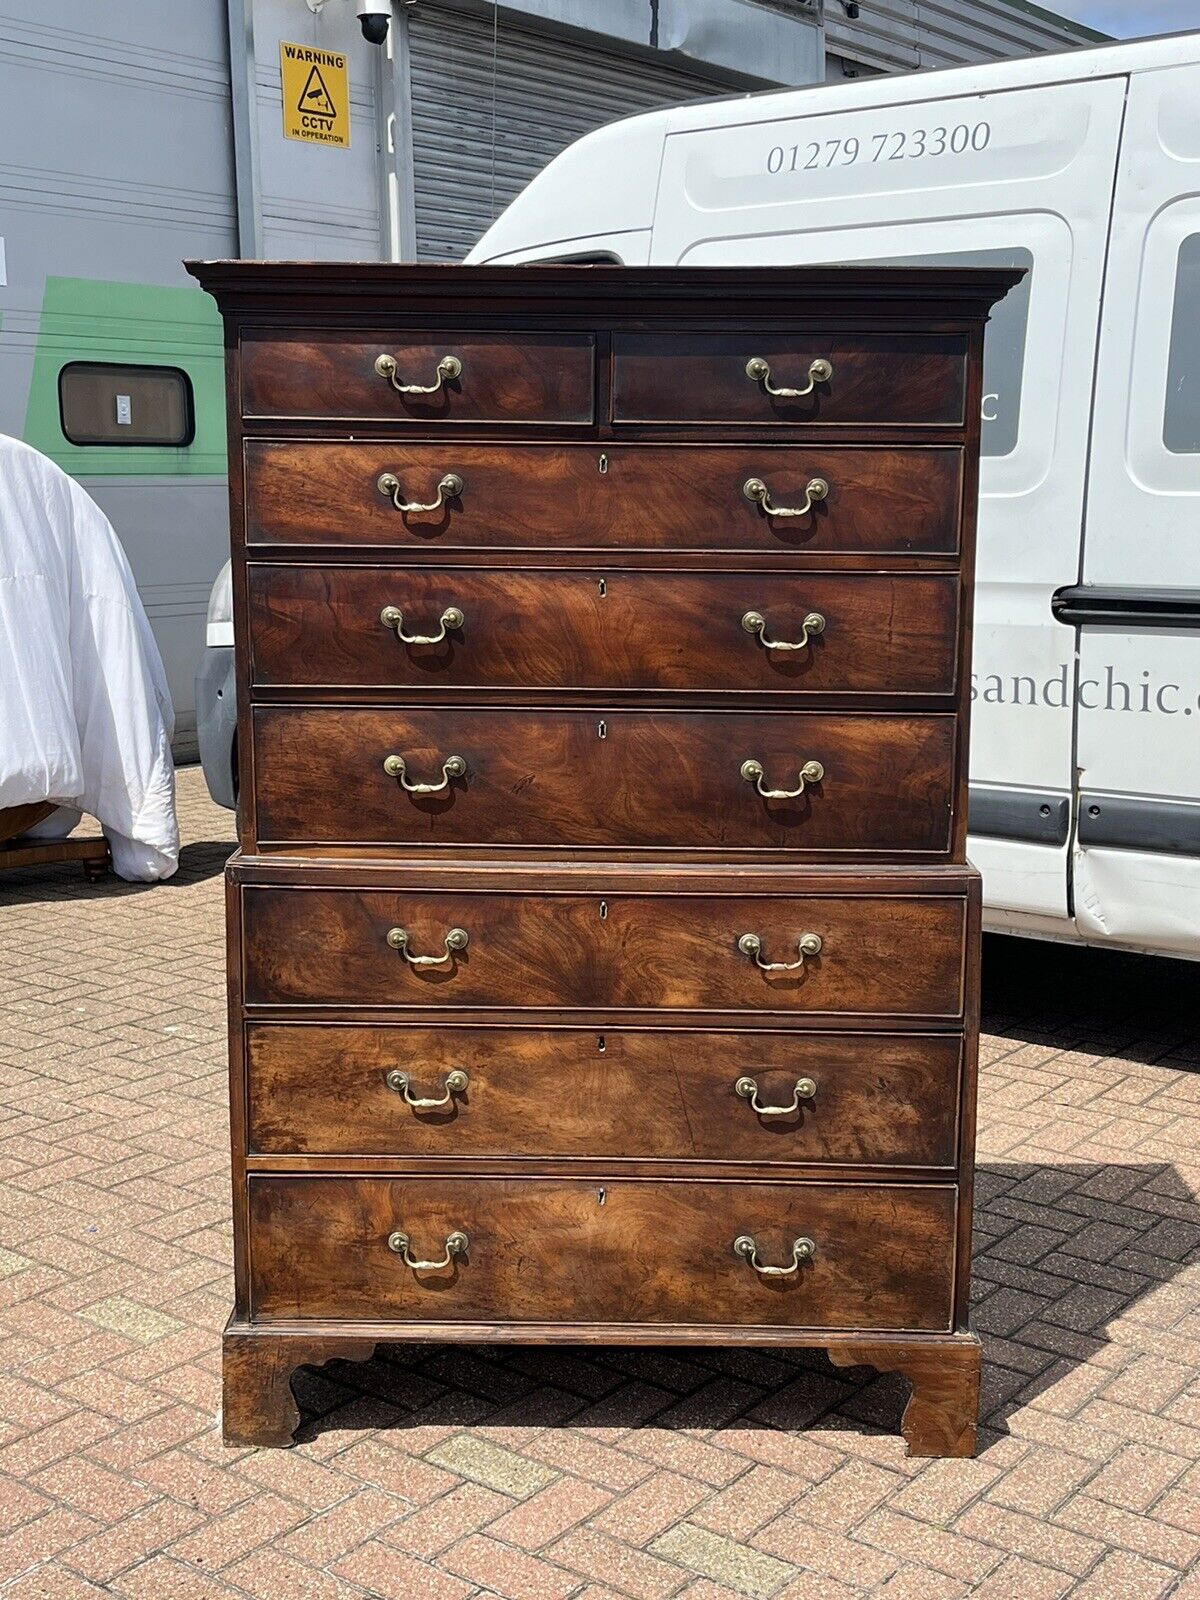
column 1022, row 176
column 1137, row 862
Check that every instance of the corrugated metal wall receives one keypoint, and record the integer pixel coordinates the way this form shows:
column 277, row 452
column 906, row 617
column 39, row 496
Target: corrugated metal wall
column 548, row 92
column 902, row 35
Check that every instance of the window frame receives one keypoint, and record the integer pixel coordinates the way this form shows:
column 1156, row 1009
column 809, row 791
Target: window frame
column 142, row 443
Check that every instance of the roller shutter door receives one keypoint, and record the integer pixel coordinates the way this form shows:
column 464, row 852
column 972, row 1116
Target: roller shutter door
column 549, row 91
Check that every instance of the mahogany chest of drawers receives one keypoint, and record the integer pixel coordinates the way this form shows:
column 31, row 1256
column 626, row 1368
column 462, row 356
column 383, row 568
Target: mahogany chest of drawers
column 602, row 948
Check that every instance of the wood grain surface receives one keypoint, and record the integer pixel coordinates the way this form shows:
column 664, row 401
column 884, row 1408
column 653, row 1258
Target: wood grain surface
column 887, row 955
column 648, row 497
column 891, row 635
column 614, row 1251
column 626, row 779
column 506, row 377
column 700, row 376
column 880, row 1099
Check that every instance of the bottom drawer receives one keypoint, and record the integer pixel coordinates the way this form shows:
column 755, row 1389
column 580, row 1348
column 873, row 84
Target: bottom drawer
column 623, row 1251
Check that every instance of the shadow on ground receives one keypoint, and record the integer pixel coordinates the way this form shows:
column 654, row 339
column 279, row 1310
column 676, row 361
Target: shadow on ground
column 1070, row 997
column 32, row 885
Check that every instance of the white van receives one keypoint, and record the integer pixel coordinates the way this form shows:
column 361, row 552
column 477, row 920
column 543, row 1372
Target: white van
column 1085, row 168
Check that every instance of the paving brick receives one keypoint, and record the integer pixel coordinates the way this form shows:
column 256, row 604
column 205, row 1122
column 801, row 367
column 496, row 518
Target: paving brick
column 1029, row 1536
column 331, row 1533
column 550, row 1513
column 440, row 1524
column 1018, row 1579
column 1136, row 1477
column 728, row 1561
column 271, row 1575
column 1118, row 1576
column 491, row 1465
column 387, row 1574
column 649, row 1509
column 634, row 1572
column 124, row 1544
column 515, row 1574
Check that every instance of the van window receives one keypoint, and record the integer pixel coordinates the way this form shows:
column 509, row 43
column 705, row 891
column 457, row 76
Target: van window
column 103, row 402
column 1004, row 341
column 1181, row 416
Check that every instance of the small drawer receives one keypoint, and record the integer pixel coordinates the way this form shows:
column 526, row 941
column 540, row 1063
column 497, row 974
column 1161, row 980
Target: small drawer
column 863, row 380
column 426, row 630
column 866, row 1256
column 868, row 955
column 672, row 780
column 577, row 497
column 426, row 378
column 879, row 1100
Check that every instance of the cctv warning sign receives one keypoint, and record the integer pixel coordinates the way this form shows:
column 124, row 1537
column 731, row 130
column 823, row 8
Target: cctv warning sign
column 316, row 95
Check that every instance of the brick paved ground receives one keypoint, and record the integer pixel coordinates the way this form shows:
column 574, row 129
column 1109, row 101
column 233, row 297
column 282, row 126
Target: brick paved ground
column 595, row 1475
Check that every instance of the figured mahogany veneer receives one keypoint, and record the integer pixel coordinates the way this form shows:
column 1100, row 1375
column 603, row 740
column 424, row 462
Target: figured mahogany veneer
column 887, row 635
column 596, row 1043
column 894, row 955
column 506, row 377
column 700, row 376
column 881, row 1100
column 556, row 497
column 625, row 779
column 616, row 1251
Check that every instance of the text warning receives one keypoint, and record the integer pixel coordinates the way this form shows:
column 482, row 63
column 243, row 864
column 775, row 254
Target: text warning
column 316, row 95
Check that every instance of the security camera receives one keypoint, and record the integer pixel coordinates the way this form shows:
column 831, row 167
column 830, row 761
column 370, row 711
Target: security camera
column 373, row 19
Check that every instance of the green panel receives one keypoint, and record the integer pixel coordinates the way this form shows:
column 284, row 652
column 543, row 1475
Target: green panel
column 86, row 319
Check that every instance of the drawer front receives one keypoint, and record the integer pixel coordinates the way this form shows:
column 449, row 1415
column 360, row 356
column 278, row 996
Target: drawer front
column 673, row 780
column 883, row 634
column 557, row 1250
column 881, row 954
column 871, row 1099
column 876, row 380
column 503, row 377
column 555, row 497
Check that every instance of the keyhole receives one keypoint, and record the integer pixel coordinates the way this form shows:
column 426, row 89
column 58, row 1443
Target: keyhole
column 600, row 1044
column 603, row 588
column 602, row 730
column 603, row 464
column 603, row 916
column 601, row 1196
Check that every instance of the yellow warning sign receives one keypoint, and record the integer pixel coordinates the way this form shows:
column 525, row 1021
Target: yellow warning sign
column 316, row 95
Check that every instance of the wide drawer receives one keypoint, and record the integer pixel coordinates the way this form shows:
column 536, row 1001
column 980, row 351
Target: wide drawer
column 347, row 1090
column 579, row 497
column 880, row 954
column 502, row 377
column 820, row 633
column 629, row 780
column 877, row 380
column 621, row 1251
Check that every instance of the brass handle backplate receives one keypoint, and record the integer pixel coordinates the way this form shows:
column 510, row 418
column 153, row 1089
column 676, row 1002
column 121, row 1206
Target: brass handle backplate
column 457, row 1244
column 450, row 486
column 755, row 489
column 759, row 371
column 455, row 940
column 447, row 369
column 450, row 620
column 456, row 1083
column 808, row 944
column 747, row 1089
column 754, row 622
column 802, row 1250
column 810, row 772
column 397, row 767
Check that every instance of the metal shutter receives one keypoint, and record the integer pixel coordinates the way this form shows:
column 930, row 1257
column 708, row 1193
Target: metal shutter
column 549, row 92
column 900, row 35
